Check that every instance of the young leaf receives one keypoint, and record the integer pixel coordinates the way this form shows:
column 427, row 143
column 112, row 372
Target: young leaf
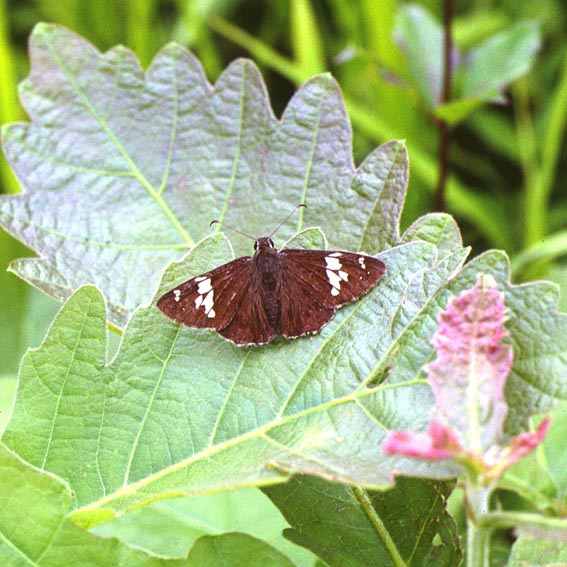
column 35, row 530
column 467, row 379
column 501, row 59
column 468, row 376
column 123, row 172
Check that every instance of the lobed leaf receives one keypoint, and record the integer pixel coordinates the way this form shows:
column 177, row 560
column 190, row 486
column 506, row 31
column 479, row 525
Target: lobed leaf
column 162, row 419
column 123, row 171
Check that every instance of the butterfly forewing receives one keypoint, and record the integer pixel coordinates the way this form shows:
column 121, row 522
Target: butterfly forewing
column 211, row 300
column 333, row 278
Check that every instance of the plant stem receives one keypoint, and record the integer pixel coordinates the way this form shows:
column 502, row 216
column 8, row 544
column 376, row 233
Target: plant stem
column 444, row 132
column 478, row 535
column 478, row 545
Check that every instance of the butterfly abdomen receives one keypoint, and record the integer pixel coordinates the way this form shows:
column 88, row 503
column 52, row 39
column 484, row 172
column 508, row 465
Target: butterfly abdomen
column 268, row 268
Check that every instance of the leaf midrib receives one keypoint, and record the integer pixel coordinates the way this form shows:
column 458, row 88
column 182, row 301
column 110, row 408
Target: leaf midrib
column 255, row 433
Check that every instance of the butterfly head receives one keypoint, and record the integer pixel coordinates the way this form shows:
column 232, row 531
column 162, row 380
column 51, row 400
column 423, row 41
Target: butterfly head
column 263, row 244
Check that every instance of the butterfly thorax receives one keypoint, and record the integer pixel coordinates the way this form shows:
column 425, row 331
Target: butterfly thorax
column 267, row 266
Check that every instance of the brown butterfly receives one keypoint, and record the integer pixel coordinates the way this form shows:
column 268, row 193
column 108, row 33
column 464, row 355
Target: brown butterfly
column 290, row 292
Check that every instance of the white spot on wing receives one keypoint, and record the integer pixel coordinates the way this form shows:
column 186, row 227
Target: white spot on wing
column 334, row 279
column 333, row 263
column 206, row 296
column 208, row 302
column 361, row 262
column 334, row 272
column 176, row 294
column 205, row 286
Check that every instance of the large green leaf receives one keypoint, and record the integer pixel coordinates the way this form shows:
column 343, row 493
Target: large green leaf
column 123, row 172
column 181, row 411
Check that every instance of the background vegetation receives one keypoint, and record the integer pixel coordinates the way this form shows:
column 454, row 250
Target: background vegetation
column 507, row 164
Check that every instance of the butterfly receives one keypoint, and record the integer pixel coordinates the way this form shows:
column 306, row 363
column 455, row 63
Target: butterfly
column 289, row 292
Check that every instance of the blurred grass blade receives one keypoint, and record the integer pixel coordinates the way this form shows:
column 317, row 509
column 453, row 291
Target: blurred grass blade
column 306, row 40
column 260, row 50
column 553, row 247
column 10, row 110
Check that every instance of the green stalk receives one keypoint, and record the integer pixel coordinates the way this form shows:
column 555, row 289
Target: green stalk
column 478, row 545
column 306, row 40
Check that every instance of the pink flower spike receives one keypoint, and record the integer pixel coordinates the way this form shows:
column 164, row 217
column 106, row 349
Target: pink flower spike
column 437, row 444
column 469, row 372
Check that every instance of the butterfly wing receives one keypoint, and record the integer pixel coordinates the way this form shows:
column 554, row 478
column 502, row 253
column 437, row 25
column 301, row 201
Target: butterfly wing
column 317, row 282
column 224, row 299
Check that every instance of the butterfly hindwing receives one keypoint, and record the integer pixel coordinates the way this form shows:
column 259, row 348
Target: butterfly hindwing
column 249, row 324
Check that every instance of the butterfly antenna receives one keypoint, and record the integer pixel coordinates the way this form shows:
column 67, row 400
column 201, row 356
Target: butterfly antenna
column 231, row 228
column 286, row 219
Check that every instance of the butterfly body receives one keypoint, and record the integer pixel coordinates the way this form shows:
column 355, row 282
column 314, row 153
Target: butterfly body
column 287, row 292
